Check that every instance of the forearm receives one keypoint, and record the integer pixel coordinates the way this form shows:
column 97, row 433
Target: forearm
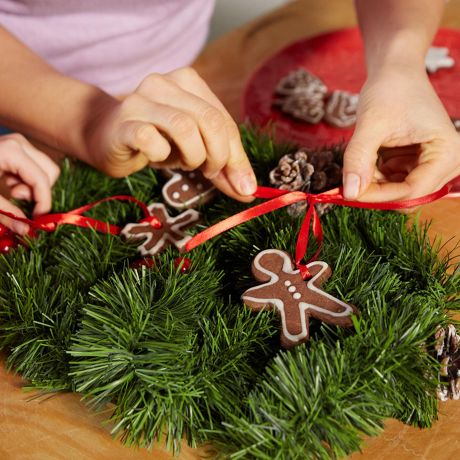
column 44, row 104
column 398, row 31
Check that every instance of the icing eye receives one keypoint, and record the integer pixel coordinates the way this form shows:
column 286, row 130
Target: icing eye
column 176, row 195
column 185, row 187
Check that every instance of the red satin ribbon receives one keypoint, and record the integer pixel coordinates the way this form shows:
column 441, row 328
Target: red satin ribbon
column 49, row 222
column 276, row 199
column 281, row 198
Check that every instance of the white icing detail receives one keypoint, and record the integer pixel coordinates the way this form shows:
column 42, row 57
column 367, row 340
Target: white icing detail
column 292, row 289
column 185, row 188
column 303, row 306
column 192, row 216
column 174, row 202
column 437, row 58
column 176, row 195
column 297, row 295
column 287, row 283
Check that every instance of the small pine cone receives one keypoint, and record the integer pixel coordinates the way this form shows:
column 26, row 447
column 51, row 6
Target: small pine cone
column 341, row 109
column 448, row 354
column 293, row 172
column 300, row 79
column 303, row 106
column 301, row 95
column 321, row 160
column 334, row 176
column 318, row 181
column 306, row 170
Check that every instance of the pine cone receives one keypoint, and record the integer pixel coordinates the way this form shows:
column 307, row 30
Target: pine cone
column 298, row 81
column 293, row 172
column 301, row 95
column 448, row 354
column 307, row 171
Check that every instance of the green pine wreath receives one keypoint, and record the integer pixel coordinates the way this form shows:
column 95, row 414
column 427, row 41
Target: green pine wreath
column 179, row 356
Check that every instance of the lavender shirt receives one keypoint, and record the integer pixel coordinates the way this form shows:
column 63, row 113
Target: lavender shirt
column 113, row 44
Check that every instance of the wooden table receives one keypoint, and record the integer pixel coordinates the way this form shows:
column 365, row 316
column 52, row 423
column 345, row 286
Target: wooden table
column 62, row 428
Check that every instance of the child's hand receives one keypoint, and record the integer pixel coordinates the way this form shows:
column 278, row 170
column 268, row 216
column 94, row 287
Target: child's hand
column 172, row 121
column 29, row 174
column 399, row 108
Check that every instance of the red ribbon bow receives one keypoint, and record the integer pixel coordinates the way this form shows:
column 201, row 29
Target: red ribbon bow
column 281, row 198
column 276, row 199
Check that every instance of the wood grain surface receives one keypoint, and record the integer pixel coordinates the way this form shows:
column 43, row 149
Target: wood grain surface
column 62, row 428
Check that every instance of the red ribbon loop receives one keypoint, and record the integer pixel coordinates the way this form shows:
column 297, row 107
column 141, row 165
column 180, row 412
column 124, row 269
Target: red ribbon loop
column 49, row 222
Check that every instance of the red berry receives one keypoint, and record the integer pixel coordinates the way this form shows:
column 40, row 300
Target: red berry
column 7, row 243
column 148, row 262
column 4, row 231
column 184, row 263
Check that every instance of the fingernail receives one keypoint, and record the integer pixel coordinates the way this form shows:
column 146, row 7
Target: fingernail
column 351, row 186
column 248, row 185
column 20, row 228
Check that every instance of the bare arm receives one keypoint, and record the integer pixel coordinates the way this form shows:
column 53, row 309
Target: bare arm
column 44, row 104
column 398, row 32
column 398, row 107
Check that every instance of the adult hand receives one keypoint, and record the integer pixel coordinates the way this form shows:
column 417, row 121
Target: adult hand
column 29, row 174
column 172, row 121
column 400, row 111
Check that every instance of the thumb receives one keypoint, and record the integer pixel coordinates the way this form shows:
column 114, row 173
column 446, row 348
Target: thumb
column 360, row 159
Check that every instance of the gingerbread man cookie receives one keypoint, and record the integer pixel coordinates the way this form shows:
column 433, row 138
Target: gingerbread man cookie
column 187, row 189
column 294, row 298
column 341, row 109
column 159, row 231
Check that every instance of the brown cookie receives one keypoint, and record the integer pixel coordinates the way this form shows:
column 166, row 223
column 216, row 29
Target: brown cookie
column 159, row 231
column 187, row 189
column 341, row 109
column 294, row 298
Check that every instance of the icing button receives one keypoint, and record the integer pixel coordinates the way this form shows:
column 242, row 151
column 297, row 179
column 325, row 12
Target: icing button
column 287, row 283
column 296, row 296
column 185, row 187
column 292, row 289
column 176, row 195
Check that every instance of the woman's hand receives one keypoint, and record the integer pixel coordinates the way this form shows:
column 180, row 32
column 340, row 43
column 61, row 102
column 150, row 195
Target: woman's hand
column 172, row 121
column 400, row 111
column 29, row 174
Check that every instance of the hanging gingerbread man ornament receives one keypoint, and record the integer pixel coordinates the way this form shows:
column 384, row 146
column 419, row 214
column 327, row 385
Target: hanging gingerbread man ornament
column 187, row 189
column 160, row 230
column 295, row 299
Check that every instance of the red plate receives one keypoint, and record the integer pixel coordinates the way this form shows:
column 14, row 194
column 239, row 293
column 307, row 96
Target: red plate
column 338, row 59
